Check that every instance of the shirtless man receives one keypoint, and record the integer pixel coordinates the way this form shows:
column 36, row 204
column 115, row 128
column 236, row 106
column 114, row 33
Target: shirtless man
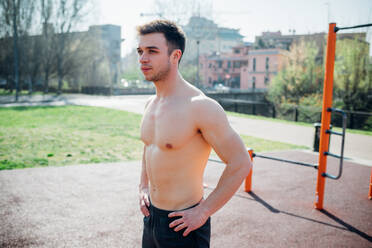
column 179, row 128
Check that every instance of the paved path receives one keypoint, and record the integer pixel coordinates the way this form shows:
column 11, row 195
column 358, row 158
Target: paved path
column 357, row 147
column 97, row 206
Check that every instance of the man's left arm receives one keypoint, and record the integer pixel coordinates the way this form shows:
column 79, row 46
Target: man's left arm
column 216, row 130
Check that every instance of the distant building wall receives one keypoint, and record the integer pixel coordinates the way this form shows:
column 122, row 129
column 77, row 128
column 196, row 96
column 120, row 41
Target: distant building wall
column 264, row 64
column 211, row 37
column 254, row 65
column 243, row 68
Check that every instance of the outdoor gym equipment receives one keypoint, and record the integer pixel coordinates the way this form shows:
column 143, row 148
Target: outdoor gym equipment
column 325, row 130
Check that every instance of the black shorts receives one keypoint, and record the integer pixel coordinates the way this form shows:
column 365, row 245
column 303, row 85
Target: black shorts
column 158, row 234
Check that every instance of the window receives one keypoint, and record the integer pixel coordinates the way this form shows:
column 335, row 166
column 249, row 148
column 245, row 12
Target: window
column 267, row 63
column 220, row 64
column 228, row 64
column 210, row 65
column 254, row 65
column 236, row 64
column 253, row 82
column 236, row 51
column 266, row 80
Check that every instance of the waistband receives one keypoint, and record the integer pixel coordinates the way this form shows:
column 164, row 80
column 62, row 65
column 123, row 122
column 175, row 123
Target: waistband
column 162, row 212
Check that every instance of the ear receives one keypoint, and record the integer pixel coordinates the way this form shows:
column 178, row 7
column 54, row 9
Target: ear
column 176, row 55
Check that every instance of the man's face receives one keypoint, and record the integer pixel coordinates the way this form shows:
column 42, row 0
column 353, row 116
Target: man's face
column 153, row 56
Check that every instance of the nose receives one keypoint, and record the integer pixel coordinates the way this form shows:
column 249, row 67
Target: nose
column 143, row 58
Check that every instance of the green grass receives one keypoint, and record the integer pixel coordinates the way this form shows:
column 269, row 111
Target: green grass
column 53, row 136
column 56, row 136
column 348, row 130
column 264, row 145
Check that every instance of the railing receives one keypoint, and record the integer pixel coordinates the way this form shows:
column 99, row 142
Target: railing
column 342, row 134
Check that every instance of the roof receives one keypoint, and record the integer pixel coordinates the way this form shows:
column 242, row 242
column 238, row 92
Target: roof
column 264, row 52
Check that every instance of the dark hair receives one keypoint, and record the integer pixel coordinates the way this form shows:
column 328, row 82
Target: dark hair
column 174, row 35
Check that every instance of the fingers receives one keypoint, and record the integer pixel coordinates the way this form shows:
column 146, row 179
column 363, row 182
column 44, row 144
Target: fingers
column 187, row 231
column 145, row 211
column 180, row 227
column 144, row 203
column 143, row 208
column 175, row 214
column 176, row 222
column 147, row 201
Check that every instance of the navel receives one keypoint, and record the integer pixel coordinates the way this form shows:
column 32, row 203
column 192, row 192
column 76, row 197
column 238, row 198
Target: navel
column 169, row 146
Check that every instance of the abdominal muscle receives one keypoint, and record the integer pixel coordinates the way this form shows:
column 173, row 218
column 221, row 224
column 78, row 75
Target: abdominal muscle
column 176, row 175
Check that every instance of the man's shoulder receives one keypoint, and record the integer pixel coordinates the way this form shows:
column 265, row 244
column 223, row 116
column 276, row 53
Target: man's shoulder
column 149, row 100
column 202, row 99
column 205, row 105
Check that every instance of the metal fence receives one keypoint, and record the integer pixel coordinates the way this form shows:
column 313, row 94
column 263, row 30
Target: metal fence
column 356, row 119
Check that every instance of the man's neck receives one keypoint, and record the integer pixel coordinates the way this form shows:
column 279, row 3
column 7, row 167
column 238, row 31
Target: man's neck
column 169, row 86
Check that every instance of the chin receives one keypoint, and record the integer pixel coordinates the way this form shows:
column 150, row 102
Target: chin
column 148, row 79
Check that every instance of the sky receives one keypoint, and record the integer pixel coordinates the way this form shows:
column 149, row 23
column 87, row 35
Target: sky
column 252, row 17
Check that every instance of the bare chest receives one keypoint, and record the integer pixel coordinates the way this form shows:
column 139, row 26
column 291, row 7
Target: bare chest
column 168, row 127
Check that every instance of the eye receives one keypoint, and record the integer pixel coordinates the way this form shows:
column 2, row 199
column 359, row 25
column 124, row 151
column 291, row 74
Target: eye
column 139, row 52
column 152, row 51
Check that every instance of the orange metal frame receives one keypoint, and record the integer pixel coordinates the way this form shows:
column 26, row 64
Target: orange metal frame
column 248, row 180
column 326, row 115
column 370, row 188
column 326, row 121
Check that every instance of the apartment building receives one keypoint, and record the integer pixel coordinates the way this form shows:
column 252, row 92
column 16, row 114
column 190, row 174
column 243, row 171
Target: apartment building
column 206, row 37
column 242, row 68
column 263, row 65
column 277, row 40
column 253, row 65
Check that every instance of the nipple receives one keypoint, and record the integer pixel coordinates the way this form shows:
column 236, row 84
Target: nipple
column 169, row 146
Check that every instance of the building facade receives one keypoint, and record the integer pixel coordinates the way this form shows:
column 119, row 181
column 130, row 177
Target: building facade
column 252, row 66
column 206, row 37
column 242, row 68
column 263, row 65
column 106, row 40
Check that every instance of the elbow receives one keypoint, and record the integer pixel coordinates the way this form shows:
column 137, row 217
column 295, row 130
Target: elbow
column 241, row 167
column 246, row 168
column 248, row 164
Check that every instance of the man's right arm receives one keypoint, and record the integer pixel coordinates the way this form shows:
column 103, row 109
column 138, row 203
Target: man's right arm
column 144, row 187
column 144, row 181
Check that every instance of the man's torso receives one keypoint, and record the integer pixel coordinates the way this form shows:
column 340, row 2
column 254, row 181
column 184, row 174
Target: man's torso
column 176, row 152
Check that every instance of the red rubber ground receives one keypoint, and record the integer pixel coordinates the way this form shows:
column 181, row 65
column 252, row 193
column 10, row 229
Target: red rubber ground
column 97, row 206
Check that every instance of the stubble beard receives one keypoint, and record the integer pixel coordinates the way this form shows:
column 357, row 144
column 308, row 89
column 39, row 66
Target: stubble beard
column 162, row 74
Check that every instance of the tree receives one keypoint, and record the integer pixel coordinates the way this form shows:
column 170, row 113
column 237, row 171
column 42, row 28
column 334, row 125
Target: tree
column 300, row 77
column 352, row 77
column 68, row 14
column 56, row 52
column 16, row 21
column 47, row 53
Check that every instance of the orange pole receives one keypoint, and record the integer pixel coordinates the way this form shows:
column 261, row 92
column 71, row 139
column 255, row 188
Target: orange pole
column 370, row 188
column 326, row 116
column 248, row 179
